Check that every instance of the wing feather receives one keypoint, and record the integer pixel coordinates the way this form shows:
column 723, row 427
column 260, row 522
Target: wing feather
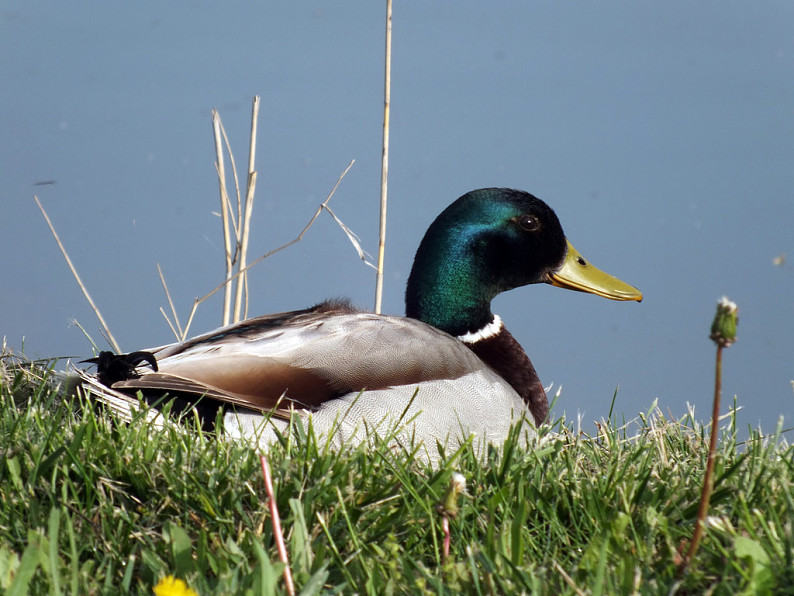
column 305, row 359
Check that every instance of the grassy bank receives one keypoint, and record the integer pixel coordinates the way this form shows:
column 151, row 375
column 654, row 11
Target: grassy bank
column 87, row 507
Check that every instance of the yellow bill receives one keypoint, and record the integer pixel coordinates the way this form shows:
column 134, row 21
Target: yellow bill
column 577, row 274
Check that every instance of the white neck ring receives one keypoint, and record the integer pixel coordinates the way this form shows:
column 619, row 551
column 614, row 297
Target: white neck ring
column 491, row 329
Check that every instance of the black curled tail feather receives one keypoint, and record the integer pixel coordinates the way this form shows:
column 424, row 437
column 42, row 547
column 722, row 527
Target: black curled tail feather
column 112, row 368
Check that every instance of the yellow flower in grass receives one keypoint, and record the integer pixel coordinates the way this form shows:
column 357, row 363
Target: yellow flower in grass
column 171, row 586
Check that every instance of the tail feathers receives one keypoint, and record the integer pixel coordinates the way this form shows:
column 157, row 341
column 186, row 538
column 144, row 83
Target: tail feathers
column 120, row 367
column 121, row 404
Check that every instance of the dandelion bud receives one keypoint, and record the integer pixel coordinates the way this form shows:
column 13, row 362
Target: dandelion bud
column 457, row 486
column 723, row 329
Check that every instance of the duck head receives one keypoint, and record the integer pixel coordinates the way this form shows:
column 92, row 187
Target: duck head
column 487, row 242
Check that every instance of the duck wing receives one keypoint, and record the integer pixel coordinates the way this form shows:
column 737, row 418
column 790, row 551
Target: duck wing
column 306, row 358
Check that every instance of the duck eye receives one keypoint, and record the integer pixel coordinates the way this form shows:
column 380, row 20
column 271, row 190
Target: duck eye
column 530, row 223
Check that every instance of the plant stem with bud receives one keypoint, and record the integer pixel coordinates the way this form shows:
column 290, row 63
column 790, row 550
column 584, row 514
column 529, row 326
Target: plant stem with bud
column 448, row 508
column 723, row 333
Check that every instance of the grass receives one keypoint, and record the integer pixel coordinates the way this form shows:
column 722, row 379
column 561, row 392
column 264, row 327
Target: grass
column 92, row 507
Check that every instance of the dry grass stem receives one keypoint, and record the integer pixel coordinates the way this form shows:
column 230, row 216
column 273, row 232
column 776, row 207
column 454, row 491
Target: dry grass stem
column 278, row 535
column 219, row 165
column 569, row 580
column 354, row 239
column 178, row 330
column 176, row 333
column 105, row 328
column 254, row 126
column 245, row 310
column 236, row 186
column 242, row 281
column 237, row 230
column 384, row 174
column 298, row 238
column 244, row 215
column 232, row 218
column 77, row 324
column 196, row 302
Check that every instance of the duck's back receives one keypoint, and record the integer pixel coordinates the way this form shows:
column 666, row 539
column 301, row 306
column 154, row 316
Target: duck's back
column 309, row 359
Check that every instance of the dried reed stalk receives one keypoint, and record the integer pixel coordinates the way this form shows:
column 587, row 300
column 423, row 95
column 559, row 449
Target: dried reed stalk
column 384, row 172
column 219, row 165
column 105, row 328
column 178, row 329
column 245, row 217
column 298, row 238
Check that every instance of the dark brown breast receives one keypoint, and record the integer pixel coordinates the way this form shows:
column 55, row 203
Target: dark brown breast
column 506, row 356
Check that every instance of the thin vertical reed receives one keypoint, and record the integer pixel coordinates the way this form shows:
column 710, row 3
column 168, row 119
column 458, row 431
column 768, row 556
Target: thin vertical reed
column 98, row 314
column 178, row 330
column 384, row 172
column 227, row 244
column 245, row 219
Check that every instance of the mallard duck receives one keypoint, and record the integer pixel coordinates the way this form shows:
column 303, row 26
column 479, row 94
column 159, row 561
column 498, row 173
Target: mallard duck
column 450, row 366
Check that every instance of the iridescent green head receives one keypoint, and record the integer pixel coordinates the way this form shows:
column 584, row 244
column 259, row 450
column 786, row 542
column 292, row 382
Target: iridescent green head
column 487, row 242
